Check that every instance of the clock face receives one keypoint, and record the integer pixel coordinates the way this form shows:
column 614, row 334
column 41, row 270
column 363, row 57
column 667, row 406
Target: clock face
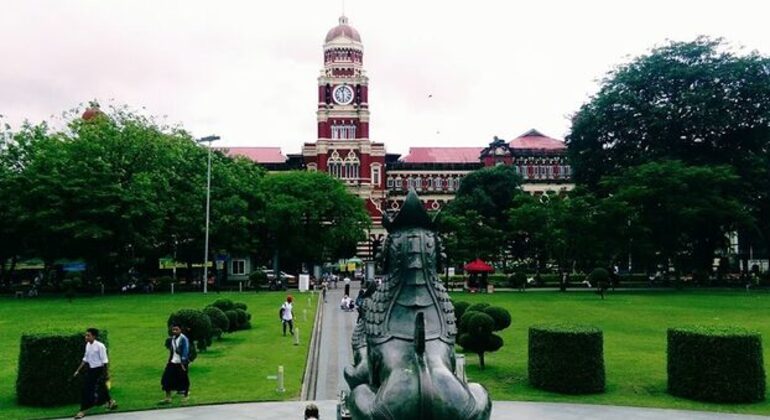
column 343, row 94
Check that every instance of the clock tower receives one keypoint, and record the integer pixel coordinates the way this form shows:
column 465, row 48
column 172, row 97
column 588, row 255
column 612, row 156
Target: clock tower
column 343, row 148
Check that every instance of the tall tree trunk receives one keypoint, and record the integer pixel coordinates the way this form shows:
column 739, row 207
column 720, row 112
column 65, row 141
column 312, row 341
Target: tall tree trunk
column 481, row 359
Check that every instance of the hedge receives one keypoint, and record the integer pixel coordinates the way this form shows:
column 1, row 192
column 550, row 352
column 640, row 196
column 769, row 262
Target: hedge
column 712, row 364
column 46, row 364
column 218, row 320
column 566, row 358
column 196, row 325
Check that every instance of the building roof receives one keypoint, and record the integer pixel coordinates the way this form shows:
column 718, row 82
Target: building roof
column 343, row 29
column 534, row 139
column 442, row 155
column 256, row 154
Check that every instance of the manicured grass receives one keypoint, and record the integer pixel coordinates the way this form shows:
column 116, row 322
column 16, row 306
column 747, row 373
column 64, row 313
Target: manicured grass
column 233, row 369
column 634, row 326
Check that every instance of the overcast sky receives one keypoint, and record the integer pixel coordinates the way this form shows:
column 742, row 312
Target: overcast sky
column 246, row 70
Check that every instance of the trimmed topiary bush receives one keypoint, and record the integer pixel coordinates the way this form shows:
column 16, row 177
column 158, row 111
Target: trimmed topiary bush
column 46, row 364
column 477, row 326
column 196, row 325
column 712, row 364
column 243, row 318
column 218, row 320
column 479, row 307
column 224, row 304
column 460, row 308
column 501, row 316
column 232, row 317
column 240, row 305
column 566, row 358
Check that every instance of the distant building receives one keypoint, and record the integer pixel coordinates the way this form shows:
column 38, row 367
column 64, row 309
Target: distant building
column 344, row 150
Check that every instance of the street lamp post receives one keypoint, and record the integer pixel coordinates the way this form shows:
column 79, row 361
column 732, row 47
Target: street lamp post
column 208, row 139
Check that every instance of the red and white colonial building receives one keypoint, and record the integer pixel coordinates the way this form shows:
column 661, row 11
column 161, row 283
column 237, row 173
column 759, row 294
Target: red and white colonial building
column 344, row 150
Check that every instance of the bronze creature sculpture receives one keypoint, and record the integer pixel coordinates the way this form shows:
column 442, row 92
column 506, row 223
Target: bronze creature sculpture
column 403, row 346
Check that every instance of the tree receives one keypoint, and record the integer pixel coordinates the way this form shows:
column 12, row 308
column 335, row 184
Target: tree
column 473, row 223
column 676, row 212
column 477, row 326
column 698, row 102
column 311, row 217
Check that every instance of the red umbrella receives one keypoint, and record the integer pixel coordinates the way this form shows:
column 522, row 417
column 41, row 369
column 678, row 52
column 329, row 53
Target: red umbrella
column 479, row 266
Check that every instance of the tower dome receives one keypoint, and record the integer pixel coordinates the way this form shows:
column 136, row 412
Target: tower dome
column 343, row 29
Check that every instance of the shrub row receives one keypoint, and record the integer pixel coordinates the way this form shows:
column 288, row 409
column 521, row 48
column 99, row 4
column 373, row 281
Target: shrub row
column 716, row 364
column 566, row 358
column 46, row 363
column 202, row 326
column 711, row 364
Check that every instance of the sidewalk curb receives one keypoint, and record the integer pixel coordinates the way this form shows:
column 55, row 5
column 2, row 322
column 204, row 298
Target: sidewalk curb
column 310, row 376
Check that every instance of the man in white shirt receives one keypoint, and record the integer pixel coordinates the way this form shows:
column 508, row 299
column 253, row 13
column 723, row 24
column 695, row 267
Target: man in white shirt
column 287, row 316
column 95, row 390
column 346, row 280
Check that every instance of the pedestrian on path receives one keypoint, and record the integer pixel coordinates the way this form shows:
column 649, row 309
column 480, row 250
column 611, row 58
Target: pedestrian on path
column 176, row 375
column 95, row 384
column 347, row 285
column 287, row 316
column 324, row 288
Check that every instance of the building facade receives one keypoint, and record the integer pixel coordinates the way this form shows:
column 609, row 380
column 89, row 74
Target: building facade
column 343, row 149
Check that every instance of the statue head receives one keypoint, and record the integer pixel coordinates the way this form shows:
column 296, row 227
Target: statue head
column 411, row 244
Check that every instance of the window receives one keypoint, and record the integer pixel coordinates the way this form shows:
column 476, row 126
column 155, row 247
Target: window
column 343, row 131
column 438, row 183
column 418, row 183
column 335, row 165
column 352, row 166
column 376, row 177
column 450, row 184
column 457, row 183
column 238, row 267
column 390, row 183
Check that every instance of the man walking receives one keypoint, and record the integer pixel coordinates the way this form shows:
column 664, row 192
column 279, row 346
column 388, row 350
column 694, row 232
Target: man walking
column 175, row 376
column 287, row 316
column 95, row 360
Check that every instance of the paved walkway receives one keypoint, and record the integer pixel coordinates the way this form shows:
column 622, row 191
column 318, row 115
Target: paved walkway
column 500, row 411
column 335, row 352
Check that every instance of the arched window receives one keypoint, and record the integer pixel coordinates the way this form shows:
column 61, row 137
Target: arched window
column 334, row 165
column 352, row 166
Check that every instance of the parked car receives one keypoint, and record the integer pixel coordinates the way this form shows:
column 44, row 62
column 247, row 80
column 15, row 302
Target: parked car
column 287, row 280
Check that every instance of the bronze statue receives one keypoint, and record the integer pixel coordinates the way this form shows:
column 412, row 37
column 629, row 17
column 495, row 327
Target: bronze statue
column 403, row 346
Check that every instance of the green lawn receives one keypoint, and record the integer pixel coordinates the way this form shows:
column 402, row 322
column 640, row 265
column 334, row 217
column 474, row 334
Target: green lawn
column 634, row 326
column 233, row 369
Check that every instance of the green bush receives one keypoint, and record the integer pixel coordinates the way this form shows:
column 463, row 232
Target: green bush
column 240, row 305
column 501, row 316
column 196, row 325
column 224, row 304
column 517, row 279
column 243, row 318
column 46, row 364
column 460, row 308
column 566, row 358
column 716, row 364
column 599, row 276
column 164, row 282
column 232, row 317
column 476, row 327
column 258, row 278
column 218, row 319
column 478, row 307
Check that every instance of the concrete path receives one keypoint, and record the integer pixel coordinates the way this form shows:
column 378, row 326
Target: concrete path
column 335, row 352
column 500, row 411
